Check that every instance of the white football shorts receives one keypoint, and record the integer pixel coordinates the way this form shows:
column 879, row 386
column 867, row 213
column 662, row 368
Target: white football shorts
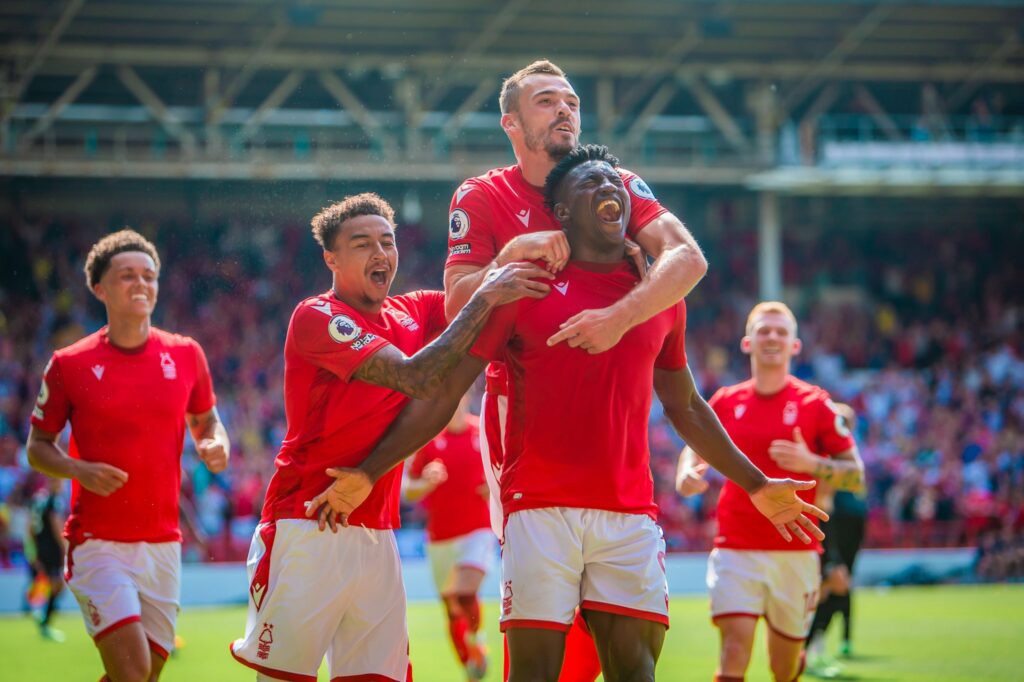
column 119, row 583
column 557, row 558
column 475, row 549
column 781, row 586
column 314, row 594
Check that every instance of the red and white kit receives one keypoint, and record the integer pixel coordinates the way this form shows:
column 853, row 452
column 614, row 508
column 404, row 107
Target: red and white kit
column 486, row 213
column 753, row 571
column 350, row 581
column 576, row 439
column 126, row 408
column 458, row 520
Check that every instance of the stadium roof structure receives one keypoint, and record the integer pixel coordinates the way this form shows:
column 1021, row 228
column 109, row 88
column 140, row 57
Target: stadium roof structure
column 698, row 92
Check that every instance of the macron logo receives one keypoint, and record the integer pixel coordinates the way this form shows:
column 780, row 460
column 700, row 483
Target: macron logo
column 461, row 192
column 524, row 217
column 98, row 371
column 562, row 287
column 257, row 595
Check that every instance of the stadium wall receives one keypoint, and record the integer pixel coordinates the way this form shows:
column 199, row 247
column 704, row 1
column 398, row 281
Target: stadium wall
column 224, row 584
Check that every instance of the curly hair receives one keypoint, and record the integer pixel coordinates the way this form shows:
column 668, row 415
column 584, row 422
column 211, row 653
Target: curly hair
column 327, row 223
column 98, row 261
column 578, row 156
column 508, row 100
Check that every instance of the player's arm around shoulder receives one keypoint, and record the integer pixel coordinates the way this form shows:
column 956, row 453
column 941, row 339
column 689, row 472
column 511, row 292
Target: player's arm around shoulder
column 420, row 375
column 678, row 266
column 462, row 279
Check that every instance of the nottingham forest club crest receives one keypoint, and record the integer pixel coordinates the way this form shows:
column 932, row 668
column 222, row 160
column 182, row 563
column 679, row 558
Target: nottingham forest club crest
column 343, row 328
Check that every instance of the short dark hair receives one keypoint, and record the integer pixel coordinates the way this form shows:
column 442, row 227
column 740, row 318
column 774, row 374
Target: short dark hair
column 578, row 156
column 327, row 223
column 98, row 261
column 508, row 100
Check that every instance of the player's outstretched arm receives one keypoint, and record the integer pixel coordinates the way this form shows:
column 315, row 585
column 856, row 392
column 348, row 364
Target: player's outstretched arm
column 700, row 427
column 460, row 281
column 420, row 376
column 415, row 425
column 211, row 438
column 678, row 266
column 46, row 456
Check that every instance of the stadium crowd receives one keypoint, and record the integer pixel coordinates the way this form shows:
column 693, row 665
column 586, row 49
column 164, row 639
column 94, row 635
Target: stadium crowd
column 926, row 344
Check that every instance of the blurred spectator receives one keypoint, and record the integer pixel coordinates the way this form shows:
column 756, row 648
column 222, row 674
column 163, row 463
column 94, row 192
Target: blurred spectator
column 919, row 330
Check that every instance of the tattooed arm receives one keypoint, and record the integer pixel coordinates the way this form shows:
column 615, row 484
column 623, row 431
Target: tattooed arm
column 844, row 471
column 211, row 438
column 420, row 375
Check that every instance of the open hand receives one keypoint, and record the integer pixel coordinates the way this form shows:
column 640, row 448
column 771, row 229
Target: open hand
column 350, row 489
column 778, row 501
column 515, row 281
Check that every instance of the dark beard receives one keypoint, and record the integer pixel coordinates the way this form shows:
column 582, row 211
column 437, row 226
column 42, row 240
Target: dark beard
column 556, row 152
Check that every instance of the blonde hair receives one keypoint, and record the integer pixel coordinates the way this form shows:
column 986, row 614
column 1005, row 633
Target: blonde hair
column 765, row 307
column 508, row 100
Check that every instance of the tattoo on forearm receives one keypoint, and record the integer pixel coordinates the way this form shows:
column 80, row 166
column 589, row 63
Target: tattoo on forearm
column 421, row 374
column 840, row 474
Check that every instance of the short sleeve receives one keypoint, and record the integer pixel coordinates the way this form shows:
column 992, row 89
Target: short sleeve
column 715, row 403
column 53, row 408
column 833, row 435
column 202, row 398
column 470, row 230
column 644, row 206
column 431, row 304
column 491, row 343
column 339, row 343
column 673, row 351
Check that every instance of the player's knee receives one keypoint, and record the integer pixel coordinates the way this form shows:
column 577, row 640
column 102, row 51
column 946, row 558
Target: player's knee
column 131, row 671
column 785, row 670
column 638, row 668
column 735, row 652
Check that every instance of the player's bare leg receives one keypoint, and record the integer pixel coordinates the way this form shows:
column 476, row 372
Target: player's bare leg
column 126, row 655
column 535, row 654
column 784, row 656
column 466, row 581
column 737, row 643
column 628, row 647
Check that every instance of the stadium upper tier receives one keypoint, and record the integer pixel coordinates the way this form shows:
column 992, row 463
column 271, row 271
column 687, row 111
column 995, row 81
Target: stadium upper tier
column 709, row 93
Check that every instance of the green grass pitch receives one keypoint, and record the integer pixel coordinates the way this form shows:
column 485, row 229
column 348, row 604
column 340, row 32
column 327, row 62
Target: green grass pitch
column 941, row 634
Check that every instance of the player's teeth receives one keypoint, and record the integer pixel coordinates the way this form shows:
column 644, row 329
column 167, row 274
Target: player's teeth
column 609, row 210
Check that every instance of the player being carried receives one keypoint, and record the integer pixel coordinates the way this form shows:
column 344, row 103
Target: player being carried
column 128, row 390
column 501, row 217
column 787, row 427
column 353, row 355
column 576, row 487
column 447, row 477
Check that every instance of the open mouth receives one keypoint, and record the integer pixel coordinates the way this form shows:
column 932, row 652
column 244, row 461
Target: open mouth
column 565, row 128
column 379, row 277
column 609, row 210
column 140, row 297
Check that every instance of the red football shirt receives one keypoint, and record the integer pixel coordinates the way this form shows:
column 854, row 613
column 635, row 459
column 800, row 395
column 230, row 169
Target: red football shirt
column 577, row 423
column 127, row 408
column 754, row 421
column 333, row 420
column 488, row 211
column 455, row 507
